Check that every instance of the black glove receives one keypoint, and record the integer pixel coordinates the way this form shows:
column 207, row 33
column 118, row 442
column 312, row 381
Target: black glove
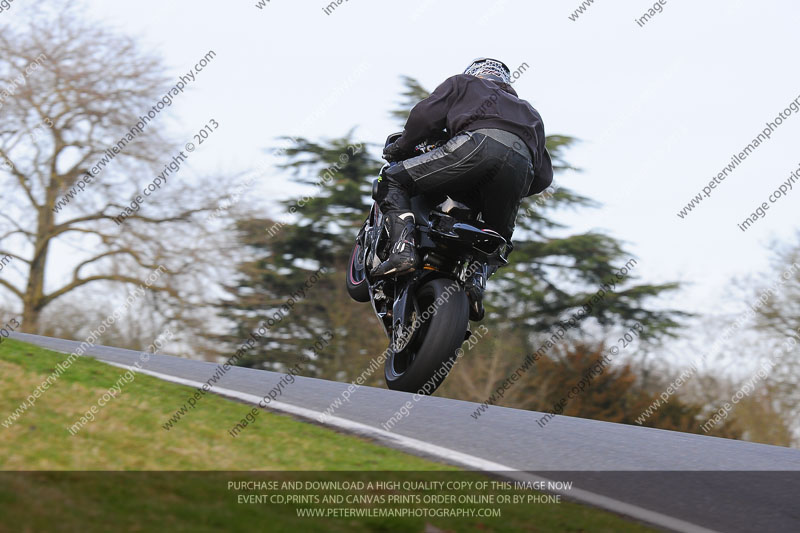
column 393, row 153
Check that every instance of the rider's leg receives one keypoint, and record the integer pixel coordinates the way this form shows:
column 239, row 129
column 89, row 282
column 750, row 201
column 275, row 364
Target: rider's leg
column 393, row 197
column 444, row 167
column 500, row 200
column 470, row 162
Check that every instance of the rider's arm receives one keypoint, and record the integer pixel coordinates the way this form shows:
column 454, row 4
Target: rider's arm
column 542, row 163
column 428, row 116
column 542, row 173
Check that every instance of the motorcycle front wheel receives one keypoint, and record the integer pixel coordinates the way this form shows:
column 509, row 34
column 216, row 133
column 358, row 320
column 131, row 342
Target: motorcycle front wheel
column 356, row 275
column 443, row 318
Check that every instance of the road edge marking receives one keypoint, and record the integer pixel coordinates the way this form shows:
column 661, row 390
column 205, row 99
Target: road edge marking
column 454, row 457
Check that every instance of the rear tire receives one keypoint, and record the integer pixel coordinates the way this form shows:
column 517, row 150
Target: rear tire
column 356, row 276
column 424, row 364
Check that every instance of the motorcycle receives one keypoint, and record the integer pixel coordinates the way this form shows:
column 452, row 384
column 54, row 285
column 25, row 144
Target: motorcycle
column 425, row 313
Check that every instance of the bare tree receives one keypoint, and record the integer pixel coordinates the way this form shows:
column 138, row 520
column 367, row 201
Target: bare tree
column 780, row 314
column 75, row 152
column 779, row 321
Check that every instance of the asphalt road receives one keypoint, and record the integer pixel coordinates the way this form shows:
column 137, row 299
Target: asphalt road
column 677, row 481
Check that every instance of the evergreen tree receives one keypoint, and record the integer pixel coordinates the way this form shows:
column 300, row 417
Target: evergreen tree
column 285, row 255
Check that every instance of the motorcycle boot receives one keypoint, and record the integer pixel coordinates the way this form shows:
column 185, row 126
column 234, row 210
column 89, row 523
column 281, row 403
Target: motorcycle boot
column 403, row 258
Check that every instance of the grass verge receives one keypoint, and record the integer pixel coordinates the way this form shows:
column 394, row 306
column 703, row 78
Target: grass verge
column 118, row 464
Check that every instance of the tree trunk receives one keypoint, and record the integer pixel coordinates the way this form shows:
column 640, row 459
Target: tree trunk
column 34, row 291
column 30, row 319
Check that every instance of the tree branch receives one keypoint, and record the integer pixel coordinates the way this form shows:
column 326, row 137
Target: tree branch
column 16, row 291
column 20, row 178
column 66, row 226
column 15, row 256
column 17, row 227
column 80, row 282
column 136, row 256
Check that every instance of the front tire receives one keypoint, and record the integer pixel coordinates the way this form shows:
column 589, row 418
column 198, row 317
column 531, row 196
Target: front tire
column 356, row 275
column 424, row 364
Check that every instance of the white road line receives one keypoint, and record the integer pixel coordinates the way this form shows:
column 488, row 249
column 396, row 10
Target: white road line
column 454, row 457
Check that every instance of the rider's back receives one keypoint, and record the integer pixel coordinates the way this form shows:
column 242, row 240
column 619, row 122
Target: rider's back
column 468, row 103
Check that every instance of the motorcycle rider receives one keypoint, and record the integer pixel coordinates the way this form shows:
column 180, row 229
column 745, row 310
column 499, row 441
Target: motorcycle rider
column 496, row 154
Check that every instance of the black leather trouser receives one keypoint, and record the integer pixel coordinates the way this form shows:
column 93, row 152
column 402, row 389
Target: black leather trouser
column 473, row 168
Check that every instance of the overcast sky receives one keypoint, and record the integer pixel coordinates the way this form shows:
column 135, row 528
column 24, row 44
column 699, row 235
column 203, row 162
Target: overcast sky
column 660, row 109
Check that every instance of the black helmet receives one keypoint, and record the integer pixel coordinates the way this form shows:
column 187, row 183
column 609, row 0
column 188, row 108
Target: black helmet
column 490, row 69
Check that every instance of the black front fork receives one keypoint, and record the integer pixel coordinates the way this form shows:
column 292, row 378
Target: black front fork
column 404, row 311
